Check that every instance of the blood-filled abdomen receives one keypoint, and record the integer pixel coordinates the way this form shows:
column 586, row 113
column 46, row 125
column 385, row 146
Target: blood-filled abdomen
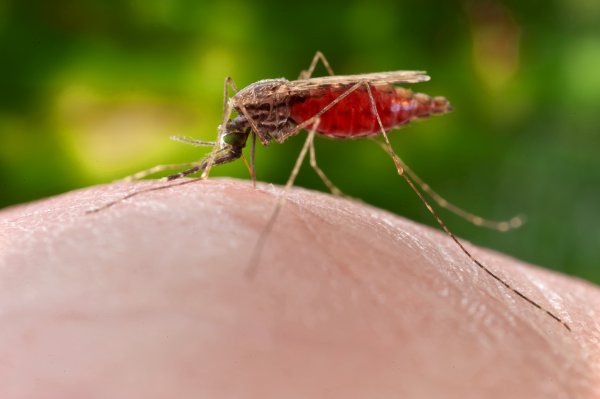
column 353, row 116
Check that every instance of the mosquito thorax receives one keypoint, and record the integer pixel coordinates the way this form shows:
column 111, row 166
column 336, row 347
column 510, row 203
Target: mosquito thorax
column 265, row 103
column 267, row 91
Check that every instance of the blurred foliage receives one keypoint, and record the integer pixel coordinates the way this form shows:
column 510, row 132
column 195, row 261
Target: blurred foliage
column 91, row 91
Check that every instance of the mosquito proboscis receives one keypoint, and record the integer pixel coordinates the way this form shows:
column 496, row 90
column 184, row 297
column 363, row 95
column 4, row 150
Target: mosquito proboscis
column 347, row 106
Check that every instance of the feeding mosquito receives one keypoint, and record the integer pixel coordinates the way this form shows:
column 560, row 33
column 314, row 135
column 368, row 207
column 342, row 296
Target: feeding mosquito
column 343, row 107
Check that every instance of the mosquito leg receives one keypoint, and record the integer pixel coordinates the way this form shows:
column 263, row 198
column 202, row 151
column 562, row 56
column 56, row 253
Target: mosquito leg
column 402, row 172
column 252, row 154
column 504, row 225
column 216, row 155
column 258, row 248
column 161, row 168
column 229, row 82
column 476, row 220
column 307, row 73
column 313, row 163
column 224, row 155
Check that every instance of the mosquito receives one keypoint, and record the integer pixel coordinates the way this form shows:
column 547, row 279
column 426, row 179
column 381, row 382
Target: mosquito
column 342, row 107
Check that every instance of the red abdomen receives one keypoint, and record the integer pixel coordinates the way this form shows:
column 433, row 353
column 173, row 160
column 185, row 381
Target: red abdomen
column 353, row 115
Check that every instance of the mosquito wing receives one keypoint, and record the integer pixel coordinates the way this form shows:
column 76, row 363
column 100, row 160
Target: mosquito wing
column 374, row 79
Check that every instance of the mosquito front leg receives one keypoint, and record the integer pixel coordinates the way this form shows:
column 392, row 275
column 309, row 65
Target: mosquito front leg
column 216, row 156
column 306, row 74
column 227, row 109
column 412, row 185
column 258, row 248
column 222, row 156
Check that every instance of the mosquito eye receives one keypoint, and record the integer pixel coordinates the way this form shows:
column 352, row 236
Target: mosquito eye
column 235, row 139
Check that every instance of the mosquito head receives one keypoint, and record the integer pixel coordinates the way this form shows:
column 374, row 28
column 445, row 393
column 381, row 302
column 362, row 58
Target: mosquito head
column 237, row 140
column 236, row 132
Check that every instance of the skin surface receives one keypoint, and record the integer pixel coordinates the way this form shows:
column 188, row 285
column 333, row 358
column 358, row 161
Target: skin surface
column 148, row 299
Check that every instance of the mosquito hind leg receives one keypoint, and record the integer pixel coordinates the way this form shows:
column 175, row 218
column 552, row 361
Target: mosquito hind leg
column 402, row 172
column 307, row 73
column 505, row 225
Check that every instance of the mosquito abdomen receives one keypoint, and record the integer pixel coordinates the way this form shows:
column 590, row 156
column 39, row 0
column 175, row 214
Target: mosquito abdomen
column 353, row 116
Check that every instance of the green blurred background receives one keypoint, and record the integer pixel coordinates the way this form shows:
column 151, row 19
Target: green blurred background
column 91, row 91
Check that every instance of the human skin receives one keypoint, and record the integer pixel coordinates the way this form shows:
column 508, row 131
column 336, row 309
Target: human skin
column 149, row 299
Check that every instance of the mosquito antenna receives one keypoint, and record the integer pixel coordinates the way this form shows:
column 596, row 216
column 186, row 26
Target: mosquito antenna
column 412, row 185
